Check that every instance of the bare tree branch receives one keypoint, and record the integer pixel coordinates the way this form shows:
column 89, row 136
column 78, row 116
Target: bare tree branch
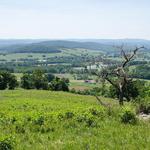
column 128, row 58
column 101, row 103
column 119, row 77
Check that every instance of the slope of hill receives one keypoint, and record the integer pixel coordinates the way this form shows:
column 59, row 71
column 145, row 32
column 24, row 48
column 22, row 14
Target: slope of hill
column 10, row 42
column 57, row 120
column 55, row 46
column 130, row 42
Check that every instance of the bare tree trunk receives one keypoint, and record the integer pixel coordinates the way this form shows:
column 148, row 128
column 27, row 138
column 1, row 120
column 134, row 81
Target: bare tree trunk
column 121, row 77
column 121, row 97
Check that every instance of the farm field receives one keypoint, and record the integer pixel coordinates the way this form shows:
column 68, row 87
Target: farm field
column 64, row 52
column 36, row 119
column 82, row 85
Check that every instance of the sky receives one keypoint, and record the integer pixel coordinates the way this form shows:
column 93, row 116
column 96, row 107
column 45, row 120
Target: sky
column 65, row 19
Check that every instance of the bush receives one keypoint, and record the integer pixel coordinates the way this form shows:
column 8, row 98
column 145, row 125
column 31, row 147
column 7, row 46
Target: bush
column 60, row 84
column 131, row 91
column 39, row 121
column 128, row 116
column 87, row 118
column 27, row 81
column 69, row 115
column 6, row 144
column 7, row 80
column 13, row 83
column 39, row 79
column 144, row 106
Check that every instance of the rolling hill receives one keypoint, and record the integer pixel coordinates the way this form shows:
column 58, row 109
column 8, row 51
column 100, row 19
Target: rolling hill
column 31, row 119
column 55, row 46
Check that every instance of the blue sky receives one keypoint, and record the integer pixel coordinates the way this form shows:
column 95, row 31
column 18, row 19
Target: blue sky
column 57, row 19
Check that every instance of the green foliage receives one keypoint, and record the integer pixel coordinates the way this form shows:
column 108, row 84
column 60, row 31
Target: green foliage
column 93, row 91
column 143, row 105
column 50, row 77
column 39, row 79
column 141, row 71
column 40, row 119
column 27, row 81
column 133, row 90
column 7, row 80
column 12, row 83
column 36, row 80
column 6, row 143
column 59, row 84
column 128, row 116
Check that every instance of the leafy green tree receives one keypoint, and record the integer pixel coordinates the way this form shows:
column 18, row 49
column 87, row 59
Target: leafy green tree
column 132, row 90
column 39, row 79
column 12, row 83
column 7, row 80
column 60, row 84
column 118, row 76
column 3, row 82
column 50, row 77
column 27, row 81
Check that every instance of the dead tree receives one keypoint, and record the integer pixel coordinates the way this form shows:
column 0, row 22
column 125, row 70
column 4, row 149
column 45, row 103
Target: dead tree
column 118, row 77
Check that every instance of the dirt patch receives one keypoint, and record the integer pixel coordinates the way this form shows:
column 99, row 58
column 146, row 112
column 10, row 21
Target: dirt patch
column 143, row 116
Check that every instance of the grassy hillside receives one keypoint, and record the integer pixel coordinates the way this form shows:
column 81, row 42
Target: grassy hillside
column 57, row 120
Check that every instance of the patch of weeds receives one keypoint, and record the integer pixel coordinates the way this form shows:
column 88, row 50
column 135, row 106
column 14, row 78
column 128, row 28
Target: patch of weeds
column 19, row 128
column 69, row 115
column 39, row 121
column 88, row 119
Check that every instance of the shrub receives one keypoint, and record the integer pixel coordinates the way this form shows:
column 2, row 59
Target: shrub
column 39, row 121
column 131, row 91
column 27, row 81
column 6, row 144
column 7, row 80
column 60, row 84
column 69, row 115
column 128, row 116
column 87, row 118
column 144, row 106
column 12, row 83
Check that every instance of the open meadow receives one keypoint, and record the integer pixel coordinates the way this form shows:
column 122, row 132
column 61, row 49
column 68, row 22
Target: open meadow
column 36, row 119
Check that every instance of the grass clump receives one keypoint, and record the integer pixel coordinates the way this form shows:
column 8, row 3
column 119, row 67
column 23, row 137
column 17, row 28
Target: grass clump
column 143, row 106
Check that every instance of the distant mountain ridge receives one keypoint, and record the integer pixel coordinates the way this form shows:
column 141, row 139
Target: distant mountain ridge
column 55, row 46
column 8, row 42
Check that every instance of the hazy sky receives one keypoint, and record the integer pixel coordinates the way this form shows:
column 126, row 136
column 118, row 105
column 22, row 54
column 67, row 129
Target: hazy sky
column 75, row 19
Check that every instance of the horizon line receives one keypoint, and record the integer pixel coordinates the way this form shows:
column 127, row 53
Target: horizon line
column 74, row 39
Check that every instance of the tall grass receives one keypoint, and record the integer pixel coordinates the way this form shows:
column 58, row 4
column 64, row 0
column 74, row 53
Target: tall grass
column 57, row 120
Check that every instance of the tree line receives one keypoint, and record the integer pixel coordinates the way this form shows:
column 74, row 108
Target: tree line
column 37, row 80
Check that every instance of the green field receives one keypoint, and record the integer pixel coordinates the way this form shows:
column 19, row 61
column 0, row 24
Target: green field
column 64, row 52
column 81, row 85
column 44, row 120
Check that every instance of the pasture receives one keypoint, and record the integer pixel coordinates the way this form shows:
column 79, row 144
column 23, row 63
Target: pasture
column 11, row 57
column 32, row 119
